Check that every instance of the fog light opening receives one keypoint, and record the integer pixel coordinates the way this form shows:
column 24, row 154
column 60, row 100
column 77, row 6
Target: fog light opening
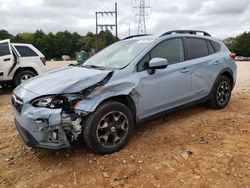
column 55, row 134
column 39, row 121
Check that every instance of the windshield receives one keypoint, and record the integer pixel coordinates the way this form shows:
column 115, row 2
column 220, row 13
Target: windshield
column 118, row 55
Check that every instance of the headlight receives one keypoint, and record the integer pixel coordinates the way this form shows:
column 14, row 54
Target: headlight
column 53, row 102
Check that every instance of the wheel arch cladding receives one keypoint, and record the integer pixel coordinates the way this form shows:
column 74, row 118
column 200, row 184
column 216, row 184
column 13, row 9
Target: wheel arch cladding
column 24, row 69
column 225, row 72
column 229, row 75
column 126, row 100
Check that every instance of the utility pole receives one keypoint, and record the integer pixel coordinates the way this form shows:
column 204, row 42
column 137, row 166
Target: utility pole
column 142, row 14
column 106, row 13
column 116, row 28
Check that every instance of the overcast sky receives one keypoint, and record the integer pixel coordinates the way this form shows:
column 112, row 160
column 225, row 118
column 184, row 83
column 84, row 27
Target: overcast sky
column 221, row 18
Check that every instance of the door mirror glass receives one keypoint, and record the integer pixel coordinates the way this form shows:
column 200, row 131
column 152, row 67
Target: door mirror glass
column 158, row 63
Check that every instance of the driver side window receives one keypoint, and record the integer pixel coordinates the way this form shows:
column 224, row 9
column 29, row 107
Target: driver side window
column 171, row 49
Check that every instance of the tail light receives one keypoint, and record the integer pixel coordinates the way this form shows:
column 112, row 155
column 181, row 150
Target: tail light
column 43, row 60
column 233, row 55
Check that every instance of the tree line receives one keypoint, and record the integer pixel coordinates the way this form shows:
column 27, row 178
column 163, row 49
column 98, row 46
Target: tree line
column 240, row 44
column 53, row 46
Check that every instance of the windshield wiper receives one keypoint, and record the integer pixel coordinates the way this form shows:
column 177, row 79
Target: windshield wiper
column 95, row 67
column 74, row 65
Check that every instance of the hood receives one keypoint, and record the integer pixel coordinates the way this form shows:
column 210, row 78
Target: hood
column 65, row 80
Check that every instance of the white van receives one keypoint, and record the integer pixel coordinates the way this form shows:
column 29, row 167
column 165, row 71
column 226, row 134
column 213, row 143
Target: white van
column 19, row 62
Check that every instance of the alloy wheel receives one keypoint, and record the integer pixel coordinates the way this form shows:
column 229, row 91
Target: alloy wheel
column 25, row 77
column 223, row 92
column 112, row 129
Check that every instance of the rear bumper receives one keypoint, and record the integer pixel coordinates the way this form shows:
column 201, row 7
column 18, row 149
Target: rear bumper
column 235, row 75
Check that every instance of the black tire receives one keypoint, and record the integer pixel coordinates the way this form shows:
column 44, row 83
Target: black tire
column 105, row 114
column 220, row 98
column 21, row 74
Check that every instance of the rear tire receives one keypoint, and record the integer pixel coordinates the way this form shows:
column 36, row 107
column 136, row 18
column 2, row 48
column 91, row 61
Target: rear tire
column 22, row 76
column 221, row 93
column 108, row 128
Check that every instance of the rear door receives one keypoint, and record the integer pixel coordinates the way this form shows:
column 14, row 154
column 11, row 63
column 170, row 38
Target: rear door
column 29, row 55
column 6, row 59
column 206, row 64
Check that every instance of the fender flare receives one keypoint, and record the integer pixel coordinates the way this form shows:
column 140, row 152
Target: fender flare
column 223, row 71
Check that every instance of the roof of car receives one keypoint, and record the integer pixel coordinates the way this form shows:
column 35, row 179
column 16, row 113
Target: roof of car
column 21, row 44
column 192, row 33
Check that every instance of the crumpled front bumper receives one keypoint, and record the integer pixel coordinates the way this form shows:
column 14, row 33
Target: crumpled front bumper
column 36, row 127
column 32, row 142
column 27, row 137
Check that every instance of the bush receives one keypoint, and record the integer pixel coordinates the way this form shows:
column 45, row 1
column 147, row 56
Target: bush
column 53, row 46
column 240, row 44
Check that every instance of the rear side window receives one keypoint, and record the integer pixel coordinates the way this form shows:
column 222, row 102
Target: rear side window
column 26, row 51
column 210, row 47
column 197, row 48
column 216, row 46
column 172, row 50
column 4, row 49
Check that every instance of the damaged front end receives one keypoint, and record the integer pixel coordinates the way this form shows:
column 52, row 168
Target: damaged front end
column 49, row 122
column 52, row 121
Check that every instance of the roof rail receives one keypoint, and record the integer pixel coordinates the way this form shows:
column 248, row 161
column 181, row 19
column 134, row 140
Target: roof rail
column 132, row 36
column 192, row 32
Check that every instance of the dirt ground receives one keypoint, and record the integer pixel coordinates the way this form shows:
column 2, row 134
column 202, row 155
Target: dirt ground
column 51, row 65
column 195, row 147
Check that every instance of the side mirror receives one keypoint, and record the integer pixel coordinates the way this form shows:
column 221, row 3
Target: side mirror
column 158, row 63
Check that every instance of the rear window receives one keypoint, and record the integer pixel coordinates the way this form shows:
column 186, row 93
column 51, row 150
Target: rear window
column 4, row 49
column 197, row 48
column 26, row 51
column 216, row 46
column 210, row 47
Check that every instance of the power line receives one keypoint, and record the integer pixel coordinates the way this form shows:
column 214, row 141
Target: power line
column 142, row 14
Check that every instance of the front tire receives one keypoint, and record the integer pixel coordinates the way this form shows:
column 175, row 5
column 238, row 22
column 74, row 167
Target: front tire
column 221, row 93
column 23, row 76
column 108, row 128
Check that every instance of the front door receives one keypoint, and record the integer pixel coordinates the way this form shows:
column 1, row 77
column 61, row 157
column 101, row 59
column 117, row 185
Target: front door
column 6, row 59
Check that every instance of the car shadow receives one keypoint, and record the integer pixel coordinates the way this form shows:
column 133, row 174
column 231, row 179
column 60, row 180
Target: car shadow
column 6, row 90
column 79, row 148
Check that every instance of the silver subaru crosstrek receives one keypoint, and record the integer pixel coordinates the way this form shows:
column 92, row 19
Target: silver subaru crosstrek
column 133, row 80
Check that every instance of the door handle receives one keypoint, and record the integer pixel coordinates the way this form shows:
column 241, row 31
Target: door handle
column 185, row 70
column 216, row 62
column 7, row 59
